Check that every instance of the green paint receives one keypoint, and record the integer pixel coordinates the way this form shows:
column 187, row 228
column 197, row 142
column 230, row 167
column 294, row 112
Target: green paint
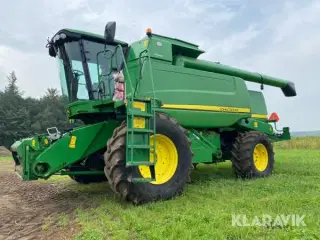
column 164, row 73
column 256, row 125
column 138, row 134
column 62, row 153
column 285, row 135
column 79, row 108
column 205, row 146
column 44, row 162
column 258, row 105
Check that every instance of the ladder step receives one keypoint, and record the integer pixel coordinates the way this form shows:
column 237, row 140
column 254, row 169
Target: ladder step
column 140, row 130
column 140, row 119
column 140, row 163
column 140, row 114
column 140, row 146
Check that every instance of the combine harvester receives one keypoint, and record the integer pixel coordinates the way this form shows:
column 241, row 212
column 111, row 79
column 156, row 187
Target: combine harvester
column 151, row 111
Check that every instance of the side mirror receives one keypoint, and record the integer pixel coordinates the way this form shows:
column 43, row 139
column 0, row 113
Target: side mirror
column 110, row 32
column 52, row 52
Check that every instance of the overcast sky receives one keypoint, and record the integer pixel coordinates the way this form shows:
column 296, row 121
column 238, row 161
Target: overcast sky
column 279, row 38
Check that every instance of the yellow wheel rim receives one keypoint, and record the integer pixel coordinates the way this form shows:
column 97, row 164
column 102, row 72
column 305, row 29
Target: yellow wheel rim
column 167, row 160
column 260, row 157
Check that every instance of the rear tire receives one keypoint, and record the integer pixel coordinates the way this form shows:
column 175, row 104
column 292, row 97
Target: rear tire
column 252, row 155
column 119, row 175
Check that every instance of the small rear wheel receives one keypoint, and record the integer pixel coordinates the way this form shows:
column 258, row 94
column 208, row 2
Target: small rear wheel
column 252, row 155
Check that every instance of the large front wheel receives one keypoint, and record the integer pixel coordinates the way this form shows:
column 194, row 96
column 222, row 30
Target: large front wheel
column 172, row 169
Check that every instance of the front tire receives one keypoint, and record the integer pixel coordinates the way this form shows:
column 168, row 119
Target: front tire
column 165, row 188
column 252, row 155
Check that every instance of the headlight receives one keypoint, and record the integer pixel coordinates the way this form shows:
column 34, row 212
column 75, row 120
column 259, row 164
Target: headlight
column 56, row 38
column 60, row 36
column 63, row 36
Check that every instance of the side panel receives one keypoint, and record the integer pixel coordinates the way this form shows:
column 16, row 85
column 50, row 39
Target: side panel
column 258, row 105
column 74, row 147
column 196, row 98
column 204, row 119
column 205, row 146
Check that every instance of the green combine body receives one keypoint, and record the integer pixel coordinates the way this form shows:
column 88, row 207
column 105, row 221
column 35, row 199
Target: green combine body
column 150, row 112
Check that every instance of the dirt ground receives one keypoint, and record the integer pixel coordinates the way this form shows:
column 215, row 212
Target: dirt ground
column 30, row 210
column 4, row 152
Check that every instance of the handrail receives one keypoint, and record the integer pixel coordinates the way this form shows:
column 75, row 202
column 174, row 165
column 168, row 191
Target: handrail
column 125, row 86
column 114, row 53
column 98, row 70
column 153, row 99
column 150, row 66
column 127, row 71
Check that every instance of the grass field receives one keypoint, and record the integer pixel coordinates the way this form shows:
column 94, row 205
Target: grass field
column 205, row 209
column 300, row 143
column 5, row 158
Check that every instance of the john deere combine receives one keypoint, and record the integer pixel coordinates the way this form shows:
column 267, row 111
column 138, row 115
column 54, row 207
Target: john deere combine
column 150, row 112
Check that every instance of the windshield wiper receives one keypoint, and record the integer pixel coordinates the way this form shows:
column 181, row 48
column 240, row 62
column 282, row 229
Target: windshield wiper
column 73, row 82
column 86, row 70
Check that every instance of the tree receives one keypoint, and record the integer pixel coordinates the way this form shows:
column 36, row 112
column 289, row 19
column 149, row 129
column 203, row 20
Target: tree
column 12, row 88
column 23, row 117
column 52, row 94
column 15, row 119
column 53, row 113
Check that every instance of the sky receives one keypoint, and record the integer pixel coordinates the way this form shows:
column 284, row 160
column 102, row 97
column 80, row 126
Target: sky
column 278, row 38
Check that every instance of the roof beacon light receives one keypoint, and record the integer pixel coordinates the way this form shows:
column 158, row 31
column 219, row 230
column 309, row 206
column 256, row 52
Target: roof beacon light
column 149, row 32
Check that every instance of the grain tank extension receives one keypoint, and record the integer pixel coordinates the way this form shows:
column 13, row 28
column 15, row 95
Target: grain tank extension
column 150, row 112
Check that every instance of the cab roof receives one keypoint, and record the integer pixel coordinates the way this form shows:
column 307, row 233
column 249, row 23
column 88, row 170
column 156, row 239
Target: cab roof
column 78, row 34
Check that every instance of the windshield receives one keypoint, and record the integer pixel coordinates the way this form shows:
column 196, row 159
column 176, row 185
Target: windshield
column 87, row 68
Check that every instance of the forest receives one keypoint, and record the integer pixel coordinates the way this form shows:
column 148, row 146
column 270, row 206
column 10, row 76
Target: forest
column 22, row 116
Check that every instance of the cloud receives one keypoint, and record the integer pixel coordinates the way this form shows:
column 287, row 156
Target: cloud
column 280, row 38
column 292, row 18
column 291, row 52
column 32, row 69
column 232, row 43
